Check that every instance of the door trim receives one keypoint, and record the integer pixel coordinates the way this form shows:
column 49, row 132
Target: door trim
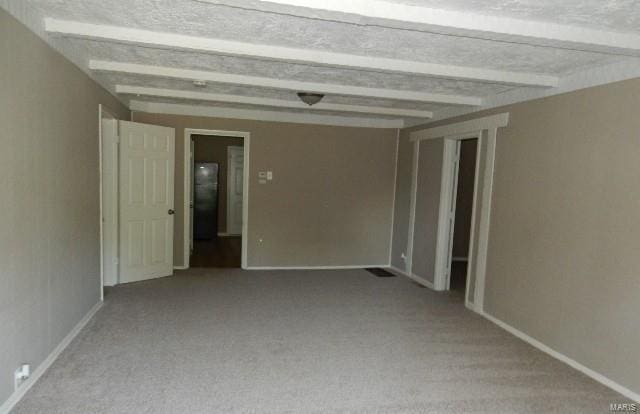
column 104, row 113
column 485, row 129
column 246, row 136
column 412, row 207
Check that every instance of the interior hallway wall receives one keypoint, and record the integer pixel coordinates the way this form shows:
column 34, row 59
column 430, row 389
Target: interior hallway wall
column 331, row 199
column 428, row 187
column 563, row 258
column 49, row 197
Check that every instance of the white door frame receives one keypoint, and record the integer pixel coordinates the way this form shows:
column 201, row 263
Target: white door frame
column 229, row 187
column 188, row 132
column 103, row 113
column 486, row 130
column 412, row 207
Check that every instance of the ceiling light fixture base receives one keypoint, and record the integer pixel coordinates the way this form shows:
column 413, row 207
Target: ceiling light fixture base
column 310, row 98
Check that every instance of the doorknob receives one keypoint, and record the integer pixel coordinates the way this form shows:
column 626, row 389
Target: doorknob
column 171, row 211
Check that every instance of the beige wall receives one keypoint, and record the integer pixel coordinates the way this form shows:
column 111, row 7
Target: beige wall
column 214, row 149
column 49, row 226
column 430, row 158
column 563, row 262
column 331, row 199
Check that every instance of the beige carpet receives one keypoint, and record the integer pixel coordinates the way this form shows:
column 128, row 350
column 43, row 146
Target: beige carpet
column 232, row 341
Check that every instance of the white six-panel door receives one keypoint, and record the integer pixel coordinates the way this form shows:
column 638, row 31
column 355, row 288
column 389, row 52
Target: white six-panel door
column 235, row 180
column 147, row 160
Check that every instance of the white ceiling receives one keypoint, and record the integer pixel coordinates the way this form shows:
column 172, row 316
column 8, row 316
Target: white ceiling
column 615, row 15
column 418, row 56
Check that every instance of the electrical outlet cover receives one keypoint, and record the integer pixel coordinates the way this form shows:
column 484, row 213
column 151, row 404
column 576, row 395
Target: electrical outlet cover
column 21, row 375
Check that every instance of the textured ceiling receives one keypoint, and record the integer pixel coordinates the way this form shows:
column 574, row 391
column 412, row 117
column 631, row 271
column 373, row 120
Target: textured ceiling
column 221, row 88
column 244, row 106
column 238, row 21
column 277, row 70
column 209, row 20
column 615, row 15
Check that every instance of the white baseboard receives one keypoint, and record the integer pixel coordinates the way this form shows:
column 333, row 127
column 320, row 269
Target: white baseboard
column 534, row 342
column 180, row 267
column 44, row 365
column 229, row 235
column 413, row 277
column 397, row 271
column 561, row 357
column 471, row 306
column 314, row 267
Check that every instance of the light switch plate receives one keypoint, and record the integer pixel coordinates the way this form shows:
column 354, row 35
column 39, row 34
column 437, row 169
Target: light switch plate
column 262, row 174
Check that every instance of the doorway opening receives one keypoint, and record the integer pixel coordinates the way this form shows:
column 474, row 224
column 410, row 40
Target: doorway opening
column 463, row 195
column 484, row 131
column 216, row 200
column 457, row 224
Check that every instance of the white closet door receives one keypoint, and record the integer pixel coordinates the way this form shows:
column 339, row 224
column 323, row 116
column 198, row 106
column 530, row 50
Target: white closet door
column 147, row 162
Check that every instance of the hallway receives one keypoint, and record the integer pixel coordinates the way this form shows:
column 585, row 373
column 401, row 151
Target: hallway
column 221, row 252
